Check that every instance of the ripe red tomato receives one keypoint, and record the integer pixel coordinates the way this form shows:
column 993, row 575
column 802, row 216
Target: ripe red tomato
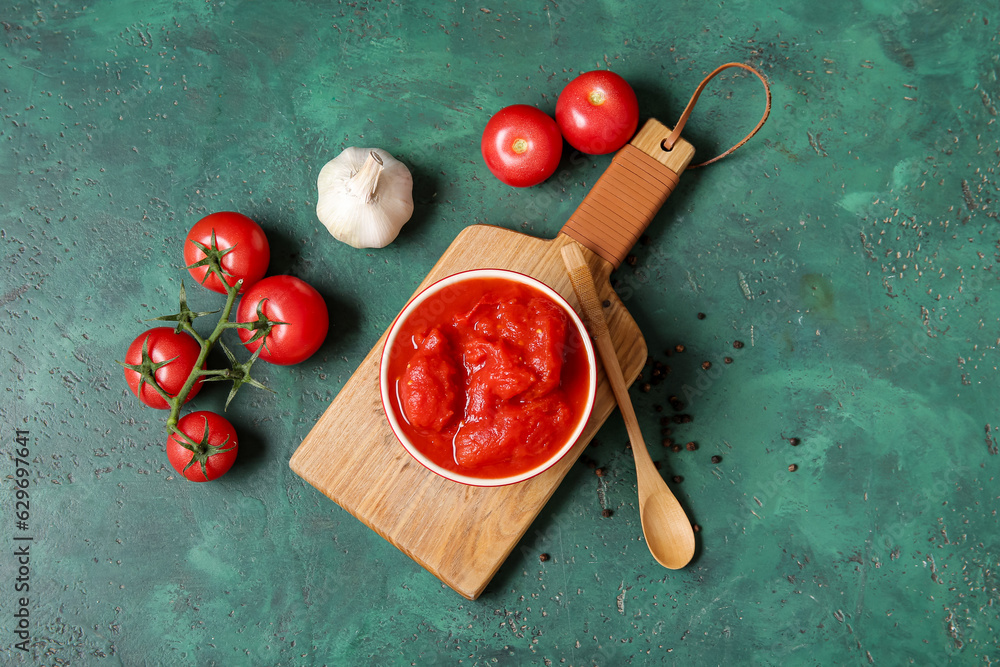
column 248, row 258
column 180, row 352
column 597, row 112
column 212, row 452
column 290, row 300
column 521, row 145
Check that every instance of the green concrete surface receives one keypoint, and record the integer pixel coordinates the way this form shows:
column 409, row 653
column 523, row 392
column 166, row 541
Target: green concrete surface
column 852, row 246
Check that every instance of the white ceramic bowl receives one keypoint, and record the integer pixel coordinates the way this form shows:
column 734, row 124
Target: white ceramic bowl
column 388, row 390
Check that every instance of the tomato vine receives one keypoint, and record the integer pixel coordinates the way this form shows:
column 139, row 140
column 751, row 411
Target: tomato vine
column 238, row 372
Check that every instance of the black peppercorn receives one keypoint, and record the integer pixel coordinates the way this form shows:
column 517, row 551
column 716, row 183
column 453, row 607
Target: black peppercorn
column 738, row 344
column 701, row 316
column 606, row 513
column 728, row 360
column 678, row 479
column 794, row 442
column 705, row 365
column 792, row 468
column 543, row 557
column 691, row 446
column 716, row 459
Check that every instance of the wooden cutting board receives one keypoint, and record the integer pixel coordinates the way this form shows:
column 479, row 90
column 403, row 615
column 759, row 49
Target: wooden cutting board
column 462, row 534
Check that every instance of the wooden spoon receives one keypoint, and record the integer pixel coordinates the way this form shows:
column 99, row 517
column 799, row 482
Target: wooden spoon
column 667, row 529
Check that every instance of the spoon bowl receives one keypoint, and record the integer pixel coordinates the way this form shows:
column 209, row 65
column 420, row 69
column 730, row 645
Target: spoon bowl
column 668, row 531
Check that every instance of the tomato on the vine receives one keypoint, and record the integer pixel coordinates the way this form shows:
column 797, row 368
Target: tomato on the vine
column 169, row 357
column 597, row 112
column 209, row 450
column 244, row 248
column 294, row 303
column 521, row 145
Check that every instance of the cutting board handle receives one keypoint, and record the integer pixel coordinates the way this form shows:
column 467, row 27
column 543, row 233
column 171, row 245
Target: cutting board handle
column 620, row 206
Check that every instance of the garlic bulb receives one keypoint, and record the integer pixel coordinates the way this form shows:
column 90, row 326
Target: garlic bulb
column 365, row 197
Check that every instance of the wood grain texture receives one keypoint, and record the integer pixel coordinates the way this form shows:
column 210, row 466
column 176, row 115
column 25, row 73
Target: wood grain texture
column 461, row 534
column 649, row 140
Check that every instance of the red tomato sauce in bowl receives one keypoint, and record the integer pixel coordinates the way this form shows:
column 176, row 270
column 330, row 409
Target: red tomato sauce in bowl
column 488, row 377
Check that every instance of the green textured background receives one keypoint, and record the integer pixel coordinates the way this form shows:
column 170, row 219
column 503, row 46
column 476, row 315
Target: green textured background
column 852, row 246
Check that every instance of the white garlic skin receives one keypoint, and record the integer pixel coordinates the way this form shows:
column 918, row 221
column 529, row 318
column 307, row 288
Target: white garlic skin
column 354, row 217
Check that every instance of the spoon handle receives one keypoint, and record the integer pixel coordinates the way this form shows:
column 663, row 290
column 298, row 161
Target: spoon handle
column 583, row 284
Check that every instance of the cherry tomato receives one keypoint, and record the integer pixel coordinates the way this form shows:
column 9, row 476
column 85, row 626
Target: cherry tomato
column 597, row 112
column 292, row 301
column 248, row 258
column 521, row 145
column 179, row 351
column 211, row 450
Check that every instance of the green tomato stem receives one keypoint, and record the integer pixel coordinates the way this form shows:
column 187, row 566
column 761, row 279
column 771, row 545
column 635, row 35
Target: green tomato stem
column 197, row 336
column 224, row 372
column 206, row 346
column 160, row 390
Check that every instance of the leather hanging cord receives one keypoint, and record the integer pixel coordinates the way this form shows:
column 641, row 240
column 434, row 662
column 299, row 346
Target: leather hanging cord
column 668, row 143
